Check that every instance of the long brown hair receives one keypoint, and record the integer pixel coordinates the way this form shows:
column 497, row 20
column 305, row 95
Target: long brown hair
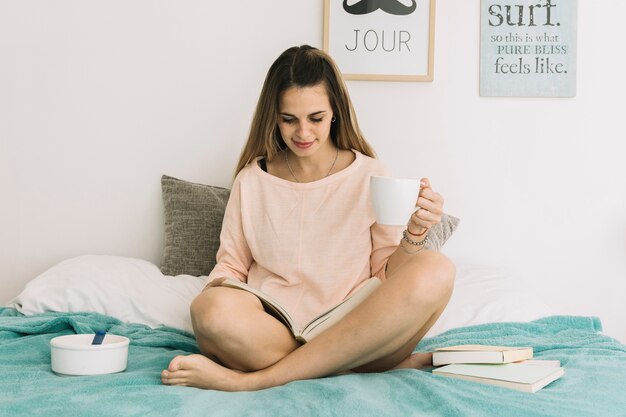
column 301, row 66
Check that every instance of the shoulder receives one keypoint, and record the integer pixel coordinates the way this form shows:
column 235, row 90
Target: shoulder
column 369, row 165
column 252, row 169
column 249, row 173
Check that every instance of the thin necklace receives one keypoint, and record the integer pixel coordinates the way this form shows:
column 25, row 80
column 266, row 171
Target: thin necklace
column 294, row 175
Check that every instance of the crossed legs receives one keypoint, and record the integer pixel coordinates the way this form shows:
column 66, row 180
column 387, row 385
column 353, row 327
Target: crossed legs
column 378, row 335
column 232, row 328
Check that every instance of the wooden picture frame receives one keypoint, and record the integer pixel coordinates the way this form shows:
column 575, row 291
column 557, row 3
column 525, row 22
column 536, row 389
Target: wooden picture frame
column 389, row 40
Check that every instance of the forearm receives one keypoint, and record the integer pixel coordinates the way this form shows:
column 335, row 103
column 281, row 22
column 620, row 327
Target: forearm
column 405, row 251
column 415, row 237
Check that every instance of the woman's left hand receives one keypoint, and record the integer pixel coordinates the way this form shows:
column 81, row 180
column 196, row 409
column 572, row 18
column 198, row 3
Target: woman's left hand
column 429, row 212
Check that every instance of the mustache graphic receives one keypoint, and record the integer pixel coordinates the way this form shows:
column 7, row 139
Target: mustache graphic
column 388, row 6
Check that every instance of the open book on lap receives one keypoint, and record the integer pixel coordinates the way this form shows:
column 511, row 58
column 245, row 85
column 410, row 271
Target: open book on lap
column 319, row 323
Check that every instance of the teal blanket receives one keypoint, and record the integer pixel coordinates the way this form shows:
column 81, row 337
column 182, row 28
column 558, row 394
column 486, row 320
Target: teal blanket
column 594, row 383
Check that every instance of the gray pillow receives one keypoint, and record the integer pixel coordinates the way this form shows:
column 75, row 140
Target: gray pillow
column 440, row 232
column 193, row 221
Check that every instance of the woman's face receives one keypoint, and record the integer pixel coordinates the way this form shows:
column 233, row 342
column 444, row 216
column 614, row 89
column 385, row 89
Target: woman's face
column 304, row 118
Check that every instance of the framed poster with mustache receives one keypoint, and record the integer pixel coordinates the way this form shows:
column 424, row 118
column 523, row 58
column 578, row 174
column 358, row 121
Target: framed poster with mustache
column 381, row 39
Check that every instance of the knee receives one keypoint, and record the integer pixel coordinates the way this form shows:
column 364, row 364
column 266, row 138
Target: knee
column 431, row 278
column 210, row 312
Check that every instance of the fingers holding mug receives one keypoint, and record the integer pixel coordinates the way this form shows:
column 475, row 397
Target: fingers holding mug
column 429, row 206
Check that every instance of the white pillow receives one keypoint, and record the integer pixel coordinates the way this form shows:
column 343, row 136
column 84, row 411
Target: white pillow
column 488, row 294
column 135, row 291
column 132, row 290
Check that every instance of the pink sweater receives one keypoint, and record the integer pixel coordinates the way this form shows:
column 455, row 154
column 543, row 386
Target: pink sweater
column 308, row 245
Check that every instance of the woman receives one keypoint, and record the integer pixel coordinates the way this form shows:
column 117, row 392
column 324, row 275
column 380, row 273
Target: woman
column 299, row 226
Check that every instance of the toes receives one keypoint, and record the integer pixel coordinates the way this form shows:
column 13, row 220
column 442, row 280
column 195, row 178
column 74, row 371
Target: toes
column 176, row 374
column 179, row 377
column 176, row 364
column 179, row 382
column 175, row 378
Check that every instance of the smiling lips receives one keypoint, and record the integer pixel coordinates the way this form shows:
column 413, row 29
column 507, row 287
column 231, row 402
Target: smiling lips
column 303, row 145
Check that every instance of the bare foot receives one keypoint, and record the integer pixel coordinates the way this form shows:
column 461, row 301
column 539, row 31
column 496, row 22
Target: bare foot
column 417, row 360
column 201, row 372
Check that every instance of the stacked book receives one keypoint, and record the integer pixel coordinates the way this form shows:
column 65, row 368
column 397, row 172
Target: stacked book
column 510, row 367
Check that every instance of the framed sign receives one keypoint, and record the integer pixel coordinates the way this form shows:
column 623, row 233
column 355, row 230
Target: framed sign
column 381, row 39
column 528, row 48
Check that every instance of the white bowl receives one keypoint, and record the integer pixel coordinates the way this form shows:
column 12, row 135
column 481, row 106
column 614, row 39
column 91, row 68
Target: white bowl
column 75, row 355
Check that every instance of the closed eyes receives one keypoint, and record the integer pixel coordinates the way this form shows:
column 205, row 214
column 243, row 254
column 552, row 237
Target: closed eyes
column 290, row 120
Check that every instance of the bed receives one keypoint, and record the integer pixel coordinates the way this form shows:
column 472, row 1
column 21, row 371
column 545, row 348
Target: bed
column 88, row 293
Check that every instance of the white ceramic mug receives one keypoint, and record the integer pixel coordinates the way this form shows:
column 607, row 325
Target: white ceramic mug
column 393, row 199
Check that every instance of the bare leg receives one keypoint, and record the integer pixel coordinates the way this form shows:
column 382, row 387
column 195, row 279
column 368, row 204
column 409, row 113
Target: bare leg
column 403, row 357
column 378, row 335
column 231, row 327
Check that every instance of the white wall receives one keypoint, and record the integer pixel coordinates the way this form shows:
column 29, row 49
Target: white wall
column 98, row 99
